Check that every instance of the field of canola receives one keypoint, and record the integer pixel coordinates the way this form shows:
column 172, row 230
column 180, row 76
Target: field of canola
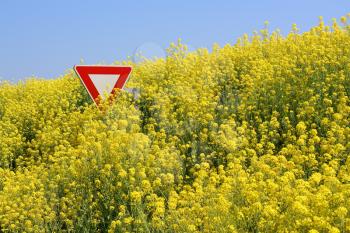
column 250, row 137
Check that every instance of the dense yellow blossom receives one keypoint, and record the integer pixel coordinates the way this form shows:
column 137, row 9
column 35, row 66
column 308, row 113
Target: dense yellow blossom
column 250, row 137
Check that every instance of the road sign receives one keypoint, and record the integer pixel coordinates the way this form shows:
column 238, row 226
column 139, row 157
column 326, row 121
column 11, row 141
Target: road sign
column 102, row 80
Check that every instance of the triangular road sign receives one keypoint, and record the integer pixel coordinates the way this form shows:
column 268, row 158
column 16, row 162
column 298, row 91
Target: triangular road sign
column 101, row 80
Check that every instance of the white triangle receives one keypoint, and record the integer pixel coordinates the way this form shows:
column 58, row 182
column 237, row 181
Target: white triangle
column 104, row 83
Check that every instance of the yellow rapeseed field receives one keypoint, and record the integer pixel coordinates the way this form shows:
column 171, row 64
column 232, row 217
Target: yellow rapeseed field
column 250, row 137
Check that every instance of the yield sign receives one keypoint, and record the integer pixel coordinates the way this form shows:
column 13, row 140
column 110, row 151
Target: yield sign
column 102, row 80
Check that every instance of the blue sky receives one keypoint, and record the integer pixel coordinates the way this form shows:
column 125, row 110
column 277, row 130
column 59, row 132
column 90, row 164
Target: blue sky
column 45, row 38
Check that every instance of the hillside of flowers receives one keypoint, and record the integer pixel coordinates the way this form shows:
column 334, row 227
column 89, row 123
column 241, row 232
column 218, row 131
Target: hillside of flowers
column 249, row 137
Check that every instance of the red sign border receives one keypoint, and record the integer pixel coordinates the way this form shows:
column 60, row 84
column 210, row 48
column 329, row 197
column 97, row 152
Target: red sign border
column 83, row 72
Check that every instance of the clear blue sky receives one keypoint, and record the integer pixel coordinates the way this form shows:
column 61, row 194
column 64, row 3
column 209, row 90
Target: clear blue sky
column 45, row 38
